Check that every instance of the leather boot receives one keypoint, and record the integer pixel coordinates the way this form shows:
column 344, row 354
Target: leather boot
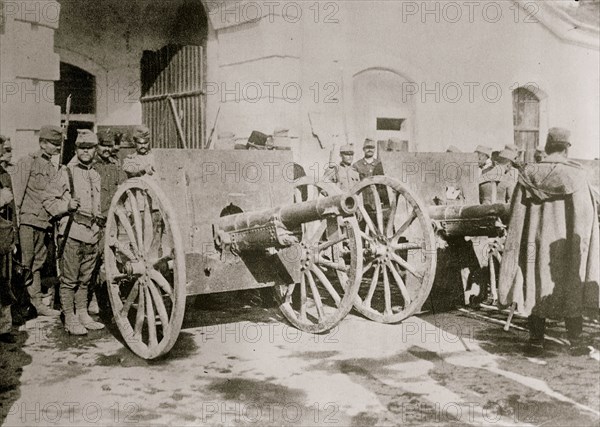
column 81, row 310
column 93, row 306
column 577, row 345
column 35, row 293
column 72, row 324
column 537, row 329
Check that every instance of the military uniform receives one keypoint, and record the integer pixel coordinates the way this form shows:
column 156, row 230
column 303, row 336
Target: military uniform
column 345, row 176
column 367, row 169
column 111, row 175
column 137, row 164
column 496, row 184
column 81, row 246
column 34, row 174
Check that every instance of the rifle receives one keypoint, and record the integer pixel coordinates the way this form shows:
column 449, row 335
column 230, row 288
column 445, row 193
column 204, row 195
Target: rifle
column 61, row 248
column 61, row 159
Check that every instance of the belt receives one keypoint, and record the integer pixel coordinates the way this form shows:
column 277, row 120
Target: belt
column 88, row 220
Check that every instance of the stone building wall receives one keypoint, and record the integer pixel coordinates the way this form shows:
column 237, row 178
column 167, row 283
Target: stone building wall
column 272, row 64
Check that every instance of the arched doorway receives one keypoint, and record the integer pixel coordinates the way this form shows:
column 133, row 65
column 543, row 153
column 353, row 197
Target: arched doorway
column 381, row 109
column 119, row 37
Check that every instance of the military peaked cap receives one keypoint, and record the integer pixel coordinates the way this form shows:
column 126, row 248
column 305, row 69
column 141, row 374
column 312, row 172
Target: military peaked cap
column 53, row 134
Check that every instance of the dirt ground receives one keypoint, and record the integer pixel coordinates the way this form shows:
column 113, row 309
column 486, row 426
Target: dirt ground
column 241, row 364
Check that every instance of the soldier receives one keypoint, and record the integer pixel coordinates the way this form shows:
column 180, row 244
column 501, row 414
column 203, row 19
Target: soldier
column 554, row 219
column 519, row 157
column 142, row 161
column 343, row 174
column 75, row 199
column 497, row 183
column 484, row 158
column 9, row 224
column 539, row 155
column 34, row 173
column 368, row 165
column 109, row 168
column 111, row 175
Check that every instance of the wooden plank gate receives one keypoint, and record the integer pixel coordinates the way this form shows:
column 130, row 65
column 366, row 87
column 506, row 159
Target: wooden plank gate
column 173, row 100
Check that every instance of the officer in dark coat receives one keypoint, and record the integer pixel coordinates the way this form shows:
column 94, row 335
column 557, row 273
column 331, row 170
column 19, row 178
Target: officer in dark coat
column 368, row 165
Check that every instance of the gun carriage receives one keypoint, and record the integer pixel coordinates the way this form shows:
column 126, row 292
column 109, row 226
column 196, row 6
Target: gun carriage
column 424, row 202
column 204, row 223
column 213, row 221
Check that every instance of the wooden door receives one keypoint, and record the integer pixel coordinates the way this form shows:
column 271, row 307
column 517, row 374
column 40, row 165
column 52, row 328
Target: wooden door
column 172, row 92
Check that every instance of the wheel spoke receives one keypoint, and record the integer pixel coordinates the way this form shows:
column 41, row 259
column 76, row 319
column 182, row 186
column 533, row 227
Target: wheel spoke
column 389, row 230
column 137, row 218
column 378, row 208
column 407, row 246
column 365, row 236
column 404, row 227
column 122, row 216
column 303, row 300
column 289, row 293
column 160, row 307
column 316, row 295
column 162, row 282
column 401, row 285
column 367, row 219
column 320, row 230
column 408, row 267
column 373, row 286
column 133, row 293
column 333, row 265
column 327, row 284
column 368, row 267
column 386, row 292
column 163, row 259
column 329, row 243
column 124, row 250
column 148, row 224
column 139, row 318
column 152, row 339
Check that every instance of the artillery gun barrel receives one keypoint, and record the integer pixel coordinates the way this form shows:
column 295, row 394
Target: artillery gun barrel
column 273, row 227
column 470, row 220
column 465, row 212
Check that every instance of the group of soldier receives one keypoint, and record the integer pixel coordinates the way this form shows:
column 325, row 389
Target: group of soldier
column 62, row 207
column 554, row 219
column 346, row 174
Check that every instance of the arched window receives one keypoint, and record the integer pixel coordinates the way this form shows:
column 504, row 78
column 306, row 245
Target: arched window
column 526, row 121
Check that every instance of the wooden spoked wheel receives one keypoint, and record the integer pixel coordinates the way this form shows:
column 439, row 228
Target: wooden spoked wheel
column 330, row 257
column 399, row 250
column 145, row 267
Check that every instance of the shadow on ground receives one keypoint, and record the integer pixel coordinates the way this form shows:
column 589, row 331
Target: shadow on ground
column 12, row 361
